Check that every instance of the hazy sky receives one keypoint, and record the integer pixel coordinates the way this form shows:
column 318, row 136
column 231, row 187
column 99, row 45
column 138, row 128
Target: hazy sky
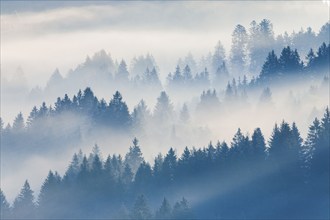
column 40, row 36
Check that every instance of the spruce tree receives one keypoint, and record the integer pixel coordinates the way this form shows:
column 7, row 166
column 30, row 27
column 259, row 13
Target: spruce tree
column 24, row 206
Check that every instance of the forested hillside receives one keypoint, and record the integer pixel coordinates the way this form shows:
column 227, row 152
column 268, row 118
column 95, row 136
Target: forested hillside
column 246, row 178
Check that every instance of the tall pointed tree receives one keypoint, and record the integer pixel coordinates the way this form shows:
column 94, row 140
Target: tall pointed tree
column 141, row 209
column 5, row 211
column 118, row 114
column 24, row 206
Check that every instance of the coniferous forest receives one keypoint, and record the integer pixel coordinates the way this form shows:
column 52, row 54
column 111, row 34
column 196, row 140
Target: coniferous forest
column 241, row 132
column 241, row 179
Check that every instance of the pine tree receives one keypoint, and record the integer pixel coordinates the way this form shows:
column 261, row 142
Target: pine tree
column 143, row 178
column 50, row 197
column 169, row 166
column 310, row 60
column 157, row 170
column 134, row 157
column 5, row 211
column 122, row 73
column 73, row 170
column 238, row 49
column 88, row 102
column 258, row 145
column 141, row 209
column 266, row 96
column 127, row 176
column 181, row 210
column 24, row 206
column 118, row 114
column 187, row 76
column 177, row 77
column 318, row 141
column 184, row 114
column 164, row 109
column 218, row 57
column 289, row 61
column 271, row 68
column 140, row 117
column 165, row 210
column 260, row 42
column 18, row 124
column 32, row 117
column 221, row 75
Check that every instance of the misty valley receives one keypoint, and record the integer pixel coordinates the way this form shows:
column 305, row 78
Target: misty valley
column 243, row 134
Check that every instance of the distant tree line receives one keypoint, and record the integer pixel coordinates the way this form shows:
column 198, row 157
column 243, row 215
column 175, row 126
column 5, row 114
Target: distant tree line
column 286, row 178
column 249, row 48
column 45, row 124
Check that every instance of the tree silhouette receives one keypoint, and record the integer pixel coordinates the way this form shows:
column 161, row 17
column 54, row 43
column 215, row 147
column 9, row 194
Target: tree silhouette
column 141, row 209
column 24, row 206
column 165, row 210
column 5, row 207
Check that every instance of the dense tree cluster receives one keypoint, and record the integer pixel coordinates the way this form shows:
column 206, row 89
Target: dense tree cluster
column 289, row 64
column 185, row 80
column 67, row 123
column 249, row 48
column 286, row 178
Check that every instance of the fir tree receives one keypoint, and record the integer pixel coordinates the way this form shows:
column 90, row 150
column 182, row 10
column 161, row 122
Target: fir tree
column 24, row 206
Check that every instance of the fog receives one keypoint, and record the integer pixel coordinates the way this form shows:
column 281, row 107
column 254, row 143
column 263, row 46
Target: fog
column 52, row 50
column 53, row 33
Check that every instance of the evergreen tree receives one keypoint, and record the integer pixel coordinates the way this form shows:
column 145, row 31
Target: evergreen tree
column 24, row 206
column 177, row 76
column 127, row 176
column 143, row 178
column 73, row 169
column 5, row 211
column 258, row 145
column 134, row 157
column 209, row 102
column 318, row 141
column 122, row 72
column 202, row 79
column 187, row 76
column 43, row 111
column 229, row 93
column 118, row 115
column 169, row 166
column 310, row 60
column 323, row 35
column 218, row 57
column 322, row 60
column 163, row 110
column 289, row 61
column 261, row 41
column 32, row 117
column 18, row 124
column 221, row 75
column 50, row 197
column 140, row 117
column 153, row 78
column 238, row 49
column 157, row 170
column 165, row 210
column 270, row 68
column 1, row 125
column 182, row 210
column 88, row 102
column 141, row 209
column 184, row 114
column 266, row 96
